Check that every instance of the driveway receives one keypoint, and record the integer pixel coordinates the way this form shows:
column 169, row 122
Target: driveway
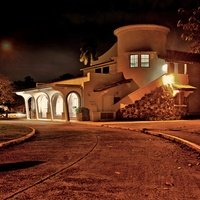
column 78, row 161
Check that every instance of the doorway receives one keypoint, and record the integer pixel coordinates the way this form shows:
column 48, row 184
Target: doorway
column 73, row 102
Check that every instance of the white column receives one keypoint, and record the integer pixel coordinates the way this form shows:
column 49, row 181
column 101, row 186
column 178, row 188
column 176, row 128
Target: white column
column 176, row 68
column 51, row 109
column 26, row 98
column 36, row 107
column 27, row 108
column 65, row 110
column 185, row 68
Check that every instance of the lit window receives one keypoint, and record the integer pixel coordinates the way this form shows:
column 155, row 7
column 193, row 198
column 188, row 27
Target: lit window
column 144, row 60
column 134, row 61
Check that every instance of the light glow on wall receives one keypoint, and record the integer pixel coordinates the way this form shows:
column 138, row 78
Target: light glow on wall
column 175, row 92
column 168, row 79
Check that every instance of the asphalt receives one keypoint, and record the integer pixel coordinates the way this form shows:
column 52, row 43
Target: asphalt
column 186, row 132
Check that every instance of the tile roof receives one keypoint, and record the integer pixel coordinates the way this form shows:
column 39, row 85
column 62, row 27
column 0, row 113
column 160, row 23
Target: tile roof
column 179, row 56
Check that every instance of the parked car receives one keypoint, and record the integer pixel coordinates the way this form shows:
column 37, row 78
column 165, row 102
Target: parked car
column 13, row 115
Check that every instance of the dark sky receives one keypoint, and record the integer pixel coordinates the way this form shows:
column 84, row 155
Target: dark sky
column 46, row 36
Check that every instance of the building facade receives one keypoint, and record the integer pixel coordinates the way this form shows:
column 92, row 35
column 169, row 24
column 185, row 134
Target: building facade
column 137, row 64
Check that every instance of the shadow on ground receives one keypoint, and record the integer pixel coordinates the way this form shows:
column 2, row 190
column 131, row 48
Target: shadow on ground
column 18, row 165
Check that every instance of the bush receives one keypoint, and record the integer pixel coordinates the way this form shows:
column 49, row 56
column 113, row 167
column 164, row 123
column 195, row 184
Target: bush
column 83, row 114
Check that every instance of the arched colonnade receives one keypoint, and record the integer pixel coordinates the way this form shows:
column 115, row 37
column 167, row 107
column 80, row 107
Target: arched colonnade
column 51, row 104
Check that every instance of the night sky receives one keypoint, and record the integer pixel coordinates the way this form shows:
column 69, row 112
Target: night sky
column 46, row 36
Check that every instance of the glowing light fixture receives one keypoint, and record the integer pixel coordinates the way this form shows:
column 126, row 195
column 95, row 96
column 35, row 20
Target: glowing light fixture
column 6, row 45
column 168, row 79
column 165, row 68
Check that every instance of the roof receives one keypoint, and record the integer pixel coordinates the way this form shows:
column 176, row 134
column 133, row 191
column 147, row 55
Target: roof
column 184, row 87
column 179, row 56
column 141, row 27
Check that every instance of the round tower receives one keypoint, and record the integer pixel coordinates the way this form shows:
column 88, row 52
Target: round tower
column 142, row 38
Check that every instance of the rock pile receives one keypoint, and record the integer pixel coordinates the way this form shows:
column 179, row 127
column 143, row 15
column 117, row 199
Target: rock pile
column 156, row 105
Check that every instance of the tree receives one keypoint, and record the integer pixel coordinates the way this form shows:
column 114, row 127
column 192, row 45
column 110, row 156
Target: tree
column 64, row 77
column 6, row 91
column 88, row 53
column 28, row 82
column 190, row 25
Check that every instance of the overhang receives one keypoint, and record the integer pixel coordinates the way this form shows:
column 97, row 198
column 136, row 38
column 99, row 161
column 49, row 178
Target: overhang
column 105, row 87
column 183, row 87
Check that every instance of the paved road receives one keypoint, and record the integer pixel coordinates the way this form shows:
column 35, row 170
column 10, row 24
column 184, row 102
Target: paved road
column 74, row 161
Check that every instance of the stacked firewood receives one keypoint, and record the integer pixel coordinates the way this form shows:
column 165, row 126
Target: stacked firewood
column 156, row 105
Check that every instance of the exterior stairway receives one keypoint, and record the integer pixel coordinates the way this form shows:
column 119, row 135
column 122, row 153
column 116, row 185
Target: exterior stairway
column 154, row 101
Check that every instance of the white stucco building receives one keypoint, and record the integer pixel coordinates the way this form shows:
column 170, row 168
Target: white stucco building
column 134, row 66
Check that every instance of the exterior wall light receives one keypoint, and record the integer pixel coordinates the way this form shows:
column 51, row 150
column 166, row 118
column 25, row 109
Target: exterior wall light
column 168, row 79
column 165, row 68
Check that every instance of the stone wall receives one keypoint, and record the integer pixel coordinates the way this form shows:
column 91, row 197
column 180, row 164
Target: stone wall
column 156, row 105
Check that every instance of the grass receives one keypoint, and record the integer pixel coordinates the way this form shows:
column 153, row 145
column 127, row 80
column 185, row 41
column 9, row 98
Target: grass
column 10, row 132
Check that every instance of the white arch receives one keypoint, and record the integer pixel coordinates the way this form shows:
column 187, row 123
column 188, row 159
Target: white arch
column 58, row 106
column 32, row 107
column 43, row 106
column 73, row 102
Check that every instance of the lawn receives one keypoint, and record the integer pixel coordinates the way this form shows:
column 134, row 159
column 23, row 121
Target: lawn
column 10, row 132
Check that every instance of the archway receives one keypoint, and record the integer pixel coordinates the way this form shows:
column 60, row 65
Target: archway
column 32, row 108
column 58, row 106
column 73, row 102
column 43, row 106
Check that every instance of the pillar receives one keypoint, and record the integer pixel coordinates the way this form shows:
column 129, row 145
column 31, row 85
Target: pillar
column 65, row 109
column 176, row 68
column 36, row 108
column 26, row 98
column 27, row 108
column 51, row 109
column 185, row 68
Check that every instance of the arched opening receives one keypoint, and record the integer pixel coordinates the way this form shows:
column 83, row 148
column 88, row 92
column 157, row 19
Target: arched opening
column 73, row 102
column 58, row 106
column 32, row 108
column 43, row 106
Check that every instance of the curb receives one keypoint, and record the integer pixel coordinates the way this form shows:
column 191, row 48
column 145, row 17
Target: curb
column 162, row 135
column 173, row 139
column 18, row 140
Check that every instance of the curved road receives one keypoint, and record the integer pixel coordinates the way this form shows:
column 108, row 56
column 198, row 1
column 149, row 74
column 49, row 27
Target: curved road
column 73, row 161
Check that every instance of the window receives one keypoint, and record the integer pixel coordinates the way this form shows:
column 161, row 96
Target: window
column 134, row 60
column 105, row 70
column 98, row 70
column 144, row 60
column 116, row 99
column 107, row 116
